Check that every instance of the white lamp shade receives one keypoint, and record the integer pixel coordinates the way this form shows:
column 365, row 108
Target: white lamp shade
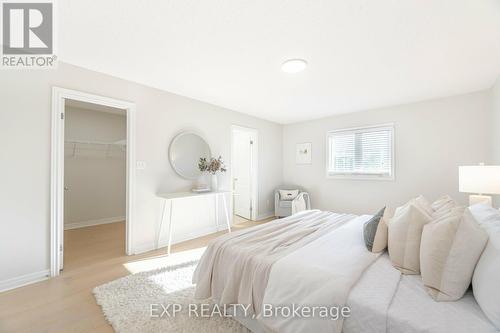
column 483, row 179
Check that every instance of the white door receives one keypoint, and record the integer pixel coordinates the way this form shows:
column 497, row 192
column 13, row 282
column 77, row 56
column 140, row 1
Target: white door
column 242, row 173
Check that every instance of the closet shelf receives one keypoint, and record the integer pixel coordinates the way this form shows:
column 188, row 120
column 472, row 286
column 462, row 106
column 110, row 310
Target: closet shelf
column 107, row 148
column 115, row 143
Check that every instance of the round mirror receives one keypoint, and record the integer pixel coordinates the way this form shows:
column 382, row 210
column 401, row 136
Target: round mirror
column 185, row 152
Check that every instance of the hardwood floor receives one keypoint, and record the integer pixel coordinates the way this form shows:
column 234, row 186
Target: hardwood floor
column 93, row 256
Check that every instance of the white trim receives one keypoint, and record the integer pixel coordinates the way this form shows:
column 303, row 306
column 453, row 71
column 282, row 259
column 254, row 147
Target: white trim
column 163, row 244
column 24, row 280
column 59, row 95
column 90, row 223
column 201, row 232
column 254, row 170
column 264, row 216
column 357, row 176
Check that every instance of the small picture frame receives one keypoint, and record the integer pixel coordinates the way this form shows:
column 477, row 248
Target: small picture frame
column 303, row 153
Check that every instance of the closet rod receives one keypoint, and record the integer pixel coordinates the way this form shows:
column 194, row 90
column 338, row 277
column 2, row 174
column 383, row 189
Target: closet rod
column 116, row 143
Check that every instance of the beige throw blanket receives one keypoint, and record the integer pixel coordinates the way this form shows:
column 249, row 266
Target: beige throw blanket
column 235, row 267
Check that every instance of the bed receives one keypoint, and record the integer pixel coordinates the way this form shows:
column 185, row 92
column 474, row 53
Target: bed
column 319, row 259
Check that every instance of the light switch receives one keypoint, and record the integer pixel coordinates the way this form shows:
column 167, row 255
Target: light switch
column 141, row 165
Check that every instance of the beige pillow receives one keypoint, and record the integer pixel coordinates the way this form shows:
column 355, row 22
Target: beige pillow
column 380, row 240
column 405, row 232
column 442, row 206
column 424, row 204
column 450, row 249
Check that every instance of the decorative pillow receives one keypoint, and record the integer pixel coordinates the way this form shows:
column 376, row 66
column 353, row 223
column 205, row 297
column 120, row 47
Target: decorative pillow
column 485, row 215
column 449, row 251
column 405, row 232
column 424, row 204
column 487, row 273
column 443, row 205
column 380, row 241
column 370, row 229
column 288, row 194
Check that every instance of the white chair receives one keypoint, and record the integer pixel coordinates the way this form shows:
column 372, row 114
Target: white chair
column 283, row 208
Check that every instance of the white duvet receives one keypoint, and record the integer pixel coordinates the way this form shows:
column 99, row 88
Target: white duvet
column 337, row 270
column 384, row 300
column 321, row 273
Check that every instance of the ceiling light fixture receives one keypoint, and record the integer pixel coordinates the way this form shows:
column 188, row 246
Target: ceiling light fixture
column 294, row 65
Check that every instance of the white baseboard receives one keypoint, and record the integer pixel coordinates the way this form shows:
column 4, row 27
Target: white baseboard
column 264, row 216
column 142, row 248
column 150, row 246
column 24, row 280
column 83, row 224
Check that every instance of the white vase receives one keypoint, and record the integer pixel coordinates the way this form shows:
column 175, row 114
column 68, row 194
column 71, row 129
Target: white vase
column 201, row 182
column 215, row 183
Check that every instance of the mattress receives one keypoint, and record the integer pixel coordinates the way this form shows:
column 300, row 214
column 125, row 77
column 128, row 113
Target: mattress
column 383, row 300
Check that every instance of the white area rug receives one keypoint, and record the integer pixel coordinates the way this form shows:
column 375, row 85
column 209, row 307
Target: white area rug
column 126, row 303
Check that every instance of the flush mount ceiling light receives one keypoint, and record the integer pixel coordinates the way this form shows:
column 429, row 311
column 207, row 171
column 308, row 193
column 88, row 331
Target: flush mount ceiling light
column 294, row 65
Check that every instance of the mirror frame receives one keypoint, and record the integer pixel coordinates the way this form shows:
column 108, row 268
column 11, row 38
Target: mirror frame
column 170, row 152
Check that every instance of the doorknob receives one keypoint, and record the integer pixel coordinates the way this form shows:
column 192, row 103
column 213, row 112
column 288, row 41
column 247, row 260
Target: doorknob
column 66, row 188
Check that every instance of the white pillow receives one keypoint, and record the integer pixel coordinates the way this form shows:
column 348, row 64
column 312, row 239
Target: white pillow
column 288, row 194
column 486, row 279
column 449, row 251
column 485, row 215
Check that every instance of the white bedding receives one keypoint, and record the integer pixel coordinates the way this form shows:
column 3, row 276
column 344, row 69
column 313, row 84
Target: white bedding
column 336, row 269
column 385, row 301
column 311, row 276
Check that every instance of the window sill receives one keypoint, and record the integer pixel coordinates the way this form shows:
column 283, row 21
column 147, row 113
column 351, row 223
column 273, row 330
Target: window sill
column 361, row 177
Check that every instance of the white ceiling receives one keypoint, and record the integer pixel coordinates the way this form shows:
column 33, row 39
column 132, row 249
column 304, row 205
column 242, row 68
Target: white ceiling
column 362, row 54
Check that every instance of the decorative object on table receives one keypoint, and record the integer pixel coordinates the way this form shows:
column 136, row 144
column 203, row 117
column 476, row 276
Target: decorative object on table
column 303, row 153
column 481, row 179
column 213, row 167
column 201, row 184
column 283, row 206
column 200, row 189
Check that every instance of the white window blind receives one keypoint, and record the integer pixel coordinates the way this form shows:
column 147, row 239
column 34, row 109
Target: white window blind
column 361, row 152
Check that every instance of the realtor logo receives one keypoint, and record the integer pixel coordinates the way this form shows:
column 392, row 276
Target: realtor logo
column 27, row 34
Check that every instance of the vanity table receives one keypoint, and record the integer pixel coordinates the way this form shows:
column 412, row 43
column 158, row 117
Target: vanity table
column 169, row 201
column 185, row 152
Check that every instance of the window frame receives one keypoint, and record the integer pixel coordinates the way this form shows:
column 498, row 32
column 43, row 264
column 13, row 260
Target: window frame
column 360, row 176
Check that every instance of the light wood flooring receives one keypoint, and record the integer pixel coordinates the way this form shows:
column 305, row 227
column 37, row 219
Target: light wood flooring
column 93, row 256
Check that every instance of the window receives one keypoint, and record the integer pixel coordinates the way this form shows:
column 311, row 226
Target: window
column 363, row 153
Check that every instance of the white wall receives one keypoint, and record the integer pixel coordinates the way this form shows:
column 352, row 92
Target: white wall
column 25, row 121
column 431, row 140
column 94, row 175
column 495, row 129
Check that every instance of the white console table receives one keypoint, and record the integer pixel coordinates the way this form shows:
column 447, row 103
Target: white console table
column 169, row 199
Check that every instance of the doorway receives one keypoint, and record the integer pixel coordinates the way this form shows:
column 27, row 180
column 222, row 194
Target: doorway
column 244, row 163
column 92, row 178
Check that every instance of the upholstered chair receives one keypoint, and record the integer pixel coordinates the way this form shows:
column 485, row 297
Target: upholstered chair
column 285, row 206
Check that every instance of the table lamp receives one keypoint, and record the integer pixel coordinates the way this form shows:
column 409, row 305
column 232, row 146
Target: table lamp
column 479, row 179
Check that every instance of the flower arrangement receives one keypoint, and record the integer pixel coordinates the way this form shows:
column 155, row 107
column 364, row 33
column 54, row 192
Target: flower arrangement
column 213, row 166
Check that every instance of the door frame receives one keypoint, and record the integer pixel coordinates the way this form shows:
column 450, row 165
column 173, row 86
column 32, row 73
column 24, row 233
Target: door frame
column 59, row 95
column 254, row 169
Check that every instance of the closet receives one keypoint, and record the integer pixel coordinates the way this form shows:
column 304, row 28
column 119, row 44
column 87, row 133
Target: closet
column 94, row 182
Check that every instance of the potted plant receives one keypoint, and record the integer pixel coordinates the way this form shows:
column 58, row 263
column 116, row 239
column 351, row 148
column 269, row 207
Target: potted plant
column 213, row 167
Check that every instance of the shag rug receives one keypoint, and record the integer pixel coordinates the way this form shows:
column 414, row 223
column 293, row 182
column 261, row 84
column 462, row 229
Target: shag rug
column 127, row 303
